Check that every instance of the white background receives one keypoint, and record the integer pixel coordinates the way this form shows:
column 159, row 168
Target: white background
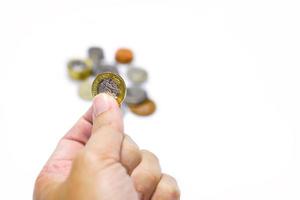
column 225, row 76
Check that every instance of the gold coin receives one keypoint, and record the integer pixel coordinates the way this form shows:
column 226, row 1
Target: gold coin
column 85, row 91
column 124, row 56
column 145, row 108
column 79, row 69
column 110, row 83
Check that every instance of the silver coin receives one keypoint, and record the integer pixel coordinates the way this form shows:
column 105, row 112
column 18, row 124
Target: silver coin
column 96, row 54
column 135, row 95
column 137, row 75
column 103, row 67
column 85, row 90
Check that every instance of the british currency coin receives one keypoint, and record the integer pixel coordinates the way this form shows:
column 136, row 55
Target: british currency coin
column 110, row 83
column 145, row 108
column 79, row 69
column 137, row 75
column 85, row 91
column 135, row 95
column 96, row 54
column 104, row 67
column 124, row 56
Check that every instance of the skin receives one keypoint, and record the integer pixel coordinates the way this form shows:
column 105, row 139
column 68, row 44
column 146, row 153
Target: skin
column 95, row 160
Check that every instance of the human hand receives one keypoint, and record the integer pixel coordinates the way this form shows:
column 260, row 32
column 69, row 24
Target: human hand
column 95, row 160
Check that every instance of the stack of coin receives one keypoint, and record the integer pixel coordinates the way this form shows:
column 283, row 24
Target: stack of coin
column 98, row 75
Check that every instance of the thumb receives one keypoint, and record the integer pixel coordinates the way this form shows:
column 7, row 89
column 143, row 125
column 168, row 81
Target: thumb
column 107, row 132
column 106, row 111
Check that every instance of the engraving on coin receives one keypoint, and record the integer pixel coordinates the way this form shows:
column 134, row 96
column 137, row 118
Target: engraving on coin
column 145, row 108
column 85, row 90
column 110, row 83
column 137, row 75
column 124, row 56
column 79, row 69
column 96, row 54
column 135, row 95
column 109, row 86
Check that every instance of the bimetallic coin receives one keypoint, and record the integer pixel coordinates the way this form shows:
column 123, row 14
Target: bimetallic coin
column 137, row 75
column 124, row 56
column 85, row 91
column 135, row 95
column 96, row 54
column 110, row 83
column 145, row 108
column 79, row 69
column 103, row 67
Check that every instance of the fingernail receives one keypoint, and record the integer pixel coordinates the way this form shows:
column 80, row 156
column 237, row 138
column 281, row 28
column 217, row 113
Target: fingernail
column 102, row 102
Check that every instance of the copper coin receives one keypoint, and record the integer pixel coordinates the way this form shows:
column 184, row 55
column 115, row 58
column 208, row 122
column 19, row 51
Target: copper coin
column 145, row 108
column 124, row 56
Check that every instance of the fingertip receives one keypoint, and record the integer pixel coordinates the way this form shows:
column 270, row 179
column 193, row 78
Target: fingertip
column 106, row 111
column 102, row 103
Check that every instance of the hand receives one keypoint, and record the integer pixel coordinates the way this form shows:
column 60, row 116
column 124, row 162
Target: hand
column 96, row 161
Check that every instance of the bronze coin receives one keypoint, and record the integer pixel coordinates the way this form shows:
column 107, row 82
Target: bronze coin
column 145, row 108
column 124, row 56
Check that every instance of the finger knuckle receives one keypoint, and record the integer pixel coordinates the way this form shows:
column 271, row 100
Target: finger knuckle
column 150, row 155
column 145, row 180
column 154, row 176
column 131, row 157
column 134, row 153
column 170, row 192
column 151, row 176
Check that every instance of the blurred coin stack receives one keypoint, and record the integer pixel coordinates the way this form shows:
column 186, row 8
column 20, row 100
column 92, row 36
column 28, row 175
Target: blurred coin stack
column 85, row 70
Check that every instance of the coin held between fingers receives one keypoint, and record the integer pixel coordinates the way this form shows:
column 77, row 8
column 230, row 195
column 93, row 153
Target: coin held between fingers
column 110, row 83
